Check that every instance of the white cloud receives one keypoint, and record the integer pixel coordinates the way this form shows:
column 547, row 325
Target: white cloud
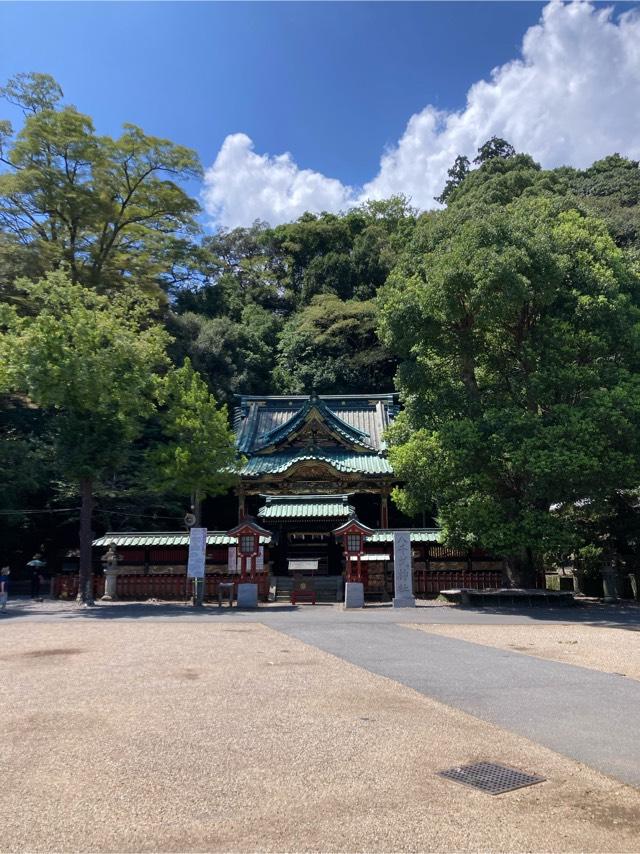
column 571, row 98
column 242, row 186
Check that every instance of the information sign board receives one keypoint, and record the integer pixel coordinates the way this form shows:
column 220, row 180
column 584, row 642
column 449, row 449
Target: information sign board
column 197, row 552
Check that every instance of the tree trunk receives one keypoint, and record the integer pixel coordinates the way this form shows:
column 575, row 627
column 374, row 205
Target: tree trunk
column 521, row 570
column 85, row 580
column 196, row 503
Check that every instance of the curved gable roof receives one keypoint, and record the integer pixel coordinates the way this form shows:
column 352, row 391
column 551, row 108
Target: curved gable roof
column 357, row 421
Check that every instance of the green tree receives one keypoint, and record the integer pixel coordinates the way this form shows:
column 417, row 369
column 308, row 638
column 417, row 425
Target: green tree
column 349, row 255
column 610, row 189
column 332, row 346
column 492, row 148
column 109, row 209
column 91, row 363
column 232, row 356
column 197, row 454
column 456, row 175
column 518, row 331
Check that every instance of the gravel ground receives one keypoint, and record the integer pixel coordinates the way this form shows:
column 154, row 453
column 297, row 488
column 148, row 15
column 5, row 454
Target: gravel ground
column 600, row 648
column 135, row 736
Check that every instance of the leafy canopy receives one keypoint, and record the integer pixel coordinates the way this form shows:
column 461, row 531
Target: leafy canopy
column 91, row 362
column 197, row 455
column 332, row 346
column 110, row 209
column 518, row 333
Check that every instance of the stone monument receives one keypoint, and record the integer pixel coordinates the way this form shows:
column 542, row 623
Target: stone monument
column 354, row 594
column 402, row 571
column 247, row 596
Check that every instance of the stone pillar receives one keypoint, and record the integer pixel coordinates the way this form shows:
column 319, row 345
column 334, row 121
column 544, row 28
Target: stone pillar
column 110, row 582
column 402, row 571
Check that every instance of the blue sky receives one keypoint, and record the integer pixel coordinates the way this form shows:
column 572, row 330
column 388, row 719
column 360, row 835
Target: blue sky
column 333, row 84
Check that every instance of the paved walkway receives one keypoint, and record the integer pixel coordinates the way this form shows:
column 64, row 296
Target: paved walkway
column 586, row 715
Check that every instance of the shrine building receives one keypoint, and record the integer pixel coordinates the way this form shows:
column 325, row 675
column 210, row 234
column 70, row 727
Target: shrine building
column 311, row 463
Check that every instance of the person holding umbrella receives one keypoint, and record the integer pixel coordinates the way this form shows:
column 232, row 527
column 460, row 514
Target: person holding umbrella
column 35, row 565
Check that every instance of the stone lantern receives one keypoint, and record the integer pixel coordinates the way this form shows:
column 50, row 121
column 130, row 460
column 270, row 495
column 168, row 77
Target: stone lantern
column 110, row 561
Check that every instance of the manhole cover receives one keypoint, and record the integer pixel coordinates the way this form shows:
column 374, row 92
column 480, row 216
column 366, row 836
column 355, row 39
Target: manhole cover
column 491, row 777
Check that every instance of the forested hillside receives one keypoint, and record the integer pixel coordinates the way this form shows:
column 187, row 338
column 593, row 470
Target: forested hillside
column 508, row 310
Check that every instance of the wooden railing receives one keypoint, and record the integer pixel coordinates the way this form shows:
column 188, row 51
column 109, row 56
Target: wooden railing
column 167, row 587
column 177, row 588
column 428, row 582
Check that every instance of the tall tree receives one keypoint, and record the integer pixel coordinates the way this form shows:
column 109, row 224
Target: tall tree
column 610, row 189
column 110, row 209
column 456, row 175
column 492, row 148
column 91, row 363
column 518, row 330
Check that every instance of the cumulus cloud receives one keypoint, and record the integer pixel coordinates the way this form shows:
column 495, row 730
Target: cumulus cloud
column 242, row 186
column 570, row 98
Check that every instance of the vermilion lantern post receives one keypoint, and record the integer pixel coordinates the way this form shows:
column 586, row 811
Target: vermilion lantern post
column 248, row 534
column 353, row 535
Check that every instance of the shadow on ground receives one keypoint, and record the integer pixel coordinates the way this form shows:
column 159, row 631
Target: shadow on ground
column 133, row 610
column 625, row 615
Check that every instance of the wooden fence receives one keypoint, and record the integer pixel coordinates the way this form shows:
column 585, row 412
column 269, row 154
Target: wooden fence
column 167, row 587
column 177, row 588
column 429, row 582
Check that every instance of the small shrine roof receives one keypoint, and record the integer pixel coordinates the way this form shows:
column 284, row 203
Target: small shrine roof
column 135, row 539
column 306, row 507
column 418, row 535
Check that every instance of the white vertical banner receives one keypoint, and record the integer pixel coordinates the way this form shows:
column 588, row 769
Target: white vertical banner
column 232, row 561
column 402, row 570
column 260, row 560
column 197, row 552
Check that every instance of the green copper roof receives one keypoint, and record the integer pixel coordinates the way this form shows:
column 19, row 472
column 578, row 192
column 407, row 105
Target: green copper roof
column 360, row 420
column 418, row 535
column 341, row 460
column 306, row 507
column 342, row 428
column 133, row 539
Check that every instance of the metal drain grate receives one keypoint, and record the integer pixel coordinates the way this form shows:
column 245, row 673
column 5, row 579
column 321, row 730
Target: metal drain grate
column 490, row 777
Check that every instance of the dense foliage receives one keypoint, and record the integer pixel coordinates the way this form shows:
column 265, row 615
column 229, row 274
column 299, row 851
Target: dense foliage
column 508, row 321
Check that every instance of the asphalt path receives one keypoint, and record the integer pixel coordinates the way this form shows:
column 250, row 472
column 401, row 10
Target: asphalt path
column 587, row 715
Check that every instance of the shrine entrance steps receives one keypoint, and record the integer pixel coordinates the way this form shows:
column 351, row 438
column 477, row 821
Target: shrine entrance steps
column 329, row 588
